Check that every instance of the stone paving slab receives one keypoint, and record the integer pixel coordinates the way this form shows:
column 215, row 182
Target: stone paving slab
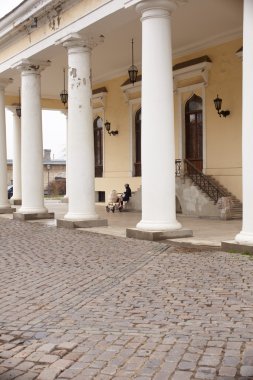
column 79, row 305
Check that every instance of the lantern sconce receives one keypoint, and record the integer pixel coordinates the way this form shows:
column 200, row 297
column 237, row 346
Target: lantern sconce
column 64, row 93
column 18, row 108
column 108, row 128
column 132, row 71
column 217, row 103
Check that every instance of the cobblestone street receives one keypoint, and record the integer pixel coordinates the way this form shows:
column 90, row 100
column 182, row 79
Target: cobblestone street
column 81, row 305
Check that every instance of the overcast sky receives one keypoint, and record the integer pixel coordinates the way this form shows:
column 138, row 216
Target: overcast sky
column 7, row 6
column 54, row 122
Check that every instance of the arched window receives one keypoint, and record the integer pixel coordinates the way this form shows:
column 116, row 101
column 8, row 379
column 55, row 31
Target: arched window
column 138, row 144
column 194, row 131
column 98, row 146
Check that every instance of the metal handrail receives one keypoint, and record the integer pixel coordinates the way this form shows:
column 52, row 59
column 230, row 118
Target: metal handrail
column 200, row 179
column 204, row 182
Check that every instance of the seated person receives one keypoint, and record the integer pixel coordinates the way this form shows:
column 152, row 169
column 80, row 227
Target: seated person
column 126, row 195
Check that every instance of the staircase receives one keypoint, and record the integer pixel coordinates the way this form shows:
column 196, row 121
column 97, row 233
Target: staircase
column 236, row 209
column 210, row 186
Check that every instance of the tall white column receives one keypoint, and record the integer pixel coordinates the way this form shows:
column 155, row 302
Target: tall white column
column 246, row 235
column 65, row 112
column 31, row 138
column 158, row 145
column 81, row 178
column 16, row 167
column 4, row 203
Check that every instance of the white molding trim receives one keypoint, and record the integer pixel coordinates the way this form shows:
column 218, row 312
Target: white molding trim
column 191, row 87
column 129, row 89
column 99, row 100
column 195, row 70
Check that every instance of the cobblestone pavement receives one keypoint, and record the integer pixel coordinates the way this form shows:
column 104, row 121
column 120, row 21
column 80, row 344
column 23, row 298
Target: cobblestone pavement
column 79, row 305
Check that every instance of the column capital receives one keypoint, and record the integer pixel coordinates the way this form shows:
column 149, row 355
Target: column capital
column 31, row 66
column 75, row 40
column 4, row 82
column 156, row 8
column 72, row 40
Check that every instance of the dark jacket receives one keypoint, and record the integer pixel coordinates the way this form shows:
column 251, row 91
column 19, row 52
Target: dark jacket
column 127, row 194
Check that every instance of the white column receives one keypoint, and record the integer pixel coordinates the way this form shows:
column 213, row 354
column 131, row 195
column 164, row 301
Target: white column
column 65, row 112
column 16, row 167
column 81, row 177
column 158, row 145
column 4, row 203
column 31, row 138
column 246, row 235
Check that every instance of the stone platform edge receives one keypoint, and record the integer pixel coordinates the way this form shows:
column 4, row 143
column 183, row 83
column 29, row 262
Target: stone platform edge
column 63, row 223
column 233, row 246
column 33, row 216
column 157, row 235
column 7, row 210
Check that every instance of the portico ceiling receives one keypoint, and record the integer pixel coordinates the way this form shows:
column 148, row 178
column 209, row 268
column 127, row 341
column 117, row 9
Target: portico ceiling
column 196, row 25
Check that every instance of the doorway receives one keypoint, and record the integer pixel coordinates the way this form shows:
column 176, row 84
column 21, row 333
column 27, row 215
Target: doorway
column 194, row 132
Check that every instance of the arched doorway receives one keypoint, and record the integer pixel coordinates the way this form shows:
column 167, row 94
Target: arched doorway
column 137, row 164
column 98, row 146
column 194, row 131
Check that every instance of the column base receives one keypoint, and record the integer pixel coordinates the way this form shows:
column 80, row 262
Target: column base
column 135, row 233
column 233, row 246
column 64, row 223
column 33, row 216
column 7, row 210
column 158, row 226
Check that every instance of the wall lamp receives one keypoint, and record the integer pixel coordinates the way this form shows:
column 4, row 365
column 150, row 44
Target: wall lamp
column 217, row 103
column 64, row 93
column 108, row 128
column 18, row 108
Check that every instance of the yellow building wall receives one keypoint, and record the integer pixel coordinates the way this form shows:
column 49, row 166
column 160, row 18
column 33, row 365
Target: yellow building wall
column 118, row 158
column 223, row 135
